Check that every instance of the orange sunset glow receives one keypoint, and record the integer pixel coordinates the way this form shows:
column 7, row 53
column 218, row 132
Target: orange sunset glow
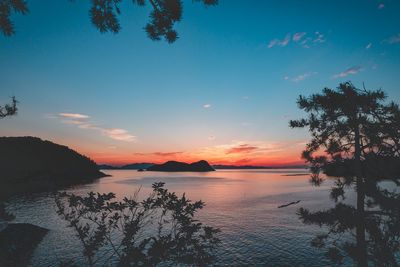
column 236, row 153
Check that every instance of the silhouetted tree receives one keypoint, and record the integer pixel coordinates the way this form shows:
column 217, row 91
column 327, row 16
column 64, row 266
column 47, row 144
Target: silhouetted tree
column 159, row 229
column 356, row 138
column 7, row 110
column 7, row 7
column 104, row 15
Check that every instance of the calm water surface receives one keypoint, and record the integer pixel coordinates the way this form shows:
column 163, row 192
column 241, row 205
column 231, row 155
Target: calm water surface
column 242, row 203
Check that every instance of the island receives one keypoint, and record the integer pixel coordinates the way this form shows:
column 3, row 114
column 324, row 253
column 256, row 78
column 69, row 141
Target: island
column 133, row 166
column 176, row 166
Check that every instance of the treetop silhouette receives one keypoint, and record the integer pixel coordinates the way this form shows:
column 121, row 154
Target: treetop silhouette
column 9, row 109
column 355, row 138
column 104, row 16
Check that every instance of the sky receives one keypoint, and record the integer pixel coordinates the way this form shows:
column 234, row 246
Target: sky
column 223, row 92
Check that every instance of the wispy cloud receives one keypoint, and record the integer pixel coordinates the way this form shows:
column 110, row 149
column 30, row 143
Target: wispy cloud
column 245, row 148
column 320, row 38
column 82, row 121
column 381, row 6
column 276, row 42
column 160, row 154
column 207, row 106
column 119, row 134
column 300, row 38
column 74, row 122
column 352, row 71
column 167, row 154
column 298, row 35
column 393, row 39
column 369, row 45
column 300, row 77
column 73, row 115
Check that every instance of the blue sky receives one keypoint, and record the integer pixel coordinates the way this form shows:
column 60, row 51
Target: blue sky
column 230, row 81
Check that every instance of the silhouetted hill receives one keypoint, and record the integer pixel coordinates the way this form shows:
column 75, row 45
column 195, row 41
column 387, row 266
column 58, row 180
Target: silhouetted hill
column 175, row 166
column 32, row 162
column 107, row 167
column 136, row 166
column 132, row 166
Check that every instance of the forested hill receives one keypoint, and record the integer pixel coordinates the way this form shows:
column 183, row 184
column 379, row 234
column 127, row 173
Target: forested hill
column 32, row 160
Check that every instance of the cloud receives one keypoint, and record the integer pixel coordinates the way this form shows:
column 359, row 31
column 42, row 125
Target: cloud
column 119, row 134
column 160, row 154
column 393, row 39
column 245, row 148
column 211, row 138
column 74, row 122
column 207, row 106
column 368, row 46
column 167, row 154
column 320, row 38
column 81, row 121
column 286, row 78
column 302, row 77
column 298, row 35
column 73, row 116
column 317, row 38
column 282, row 43
column 381, row 6
column 235, row 152
column 299, row 38
column 352, row 70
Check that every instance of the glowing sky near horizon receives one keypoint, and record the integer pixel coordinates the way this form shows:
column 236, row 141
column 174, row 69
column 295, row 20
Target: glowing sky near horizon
column 223, row 92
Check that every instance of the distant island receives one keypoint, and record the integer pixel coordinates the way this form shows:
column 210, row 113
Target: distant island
column 176, row 166
column 146, row 165
column 133, row 166
column 29, row 163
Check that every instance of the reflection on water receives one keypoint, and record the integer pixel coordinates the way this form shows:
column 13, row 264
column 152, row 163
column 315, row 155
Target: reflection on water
column 242, row 203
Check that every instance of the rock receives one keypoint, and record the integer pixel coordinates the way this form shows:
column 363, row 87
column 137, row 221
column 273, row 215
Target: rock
column 17, row 243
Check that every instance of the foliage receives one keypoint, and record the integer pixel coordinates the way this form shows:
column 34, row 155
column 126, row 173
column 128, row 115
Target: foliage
column 7, row 7
column 8, row 109
column 104, row 15
column 355, row 138
column 159, row 229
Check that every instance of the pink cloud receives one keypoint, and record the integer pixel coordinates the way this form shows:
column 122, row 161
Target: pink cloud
column 81, row 121
column 245, row 148
column 73, row 116
column 302, row 77
column 298, row 35
column 352, row 71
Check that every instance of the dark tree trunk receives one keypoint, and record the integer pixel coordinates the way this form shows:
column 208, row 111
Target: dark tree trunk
column 360, row 231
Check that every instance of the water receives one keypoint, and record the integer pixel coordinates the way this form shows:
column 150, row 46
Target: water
column 242, row 203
